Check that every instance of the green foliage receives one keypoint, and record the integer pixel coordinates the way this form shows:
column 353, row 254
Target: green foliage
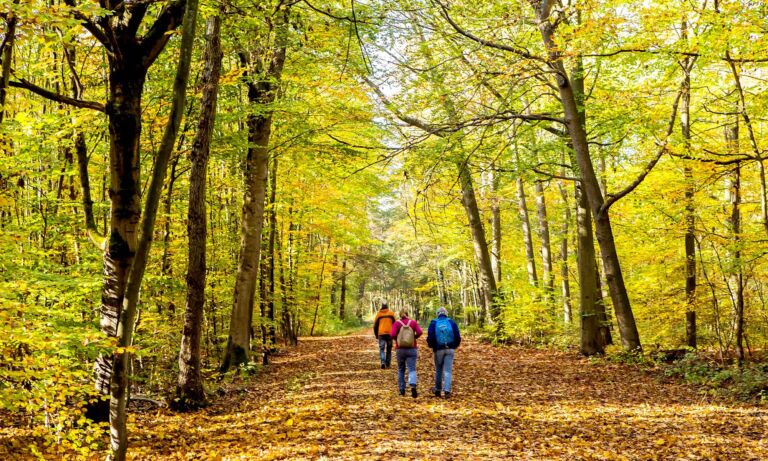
column 750, row 382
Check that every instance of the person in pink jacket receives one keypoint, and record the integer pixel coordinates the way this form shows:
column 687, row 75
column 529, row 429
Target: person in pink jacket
column 405, row 332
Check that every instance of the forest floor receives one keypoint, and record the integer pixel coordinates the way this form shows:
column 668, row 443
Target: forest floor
column 329, row 399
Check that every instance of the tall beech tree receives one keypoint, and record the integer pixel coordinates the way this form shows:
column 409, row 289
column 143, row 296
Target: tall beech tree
column 190, row 391
column 264, row 68
column 129, row 57
column 119, row 384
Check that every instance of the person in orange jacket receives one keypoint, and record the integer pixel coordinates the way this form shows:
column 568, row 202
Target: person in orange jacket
column 382, row 325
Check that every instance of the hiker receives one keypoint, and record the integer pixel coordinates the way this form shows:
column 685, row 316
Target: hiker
column 382, row 326
column 443, row 337
column 406, row 332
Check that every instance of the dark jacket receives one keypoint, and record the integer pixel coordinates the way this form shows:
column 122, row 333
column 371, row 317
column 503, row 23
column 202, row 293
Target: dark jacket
column 432, row 335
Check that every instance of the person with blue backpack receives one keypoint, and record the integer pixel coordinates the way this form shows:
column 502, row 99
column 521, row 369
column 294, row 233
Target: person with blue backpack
column 443, row 338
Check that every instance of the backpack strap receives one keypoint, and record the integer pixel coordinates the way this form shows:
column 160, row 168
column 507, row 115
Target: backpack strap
column 405, row 324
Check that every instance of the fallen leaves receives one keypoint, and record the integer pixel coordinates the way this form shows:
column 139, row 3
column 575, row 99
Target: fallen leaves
column 506, row 404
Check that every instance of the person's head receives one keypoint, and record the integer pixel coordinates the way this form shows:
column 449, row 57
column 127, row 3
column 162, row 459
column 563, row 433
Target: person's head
column 442, row 311
column 384, row 306
column 404, row 314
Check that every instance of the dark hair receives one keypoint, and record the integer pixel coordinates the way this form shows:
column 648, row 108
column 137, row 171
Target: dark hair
column 384, row 306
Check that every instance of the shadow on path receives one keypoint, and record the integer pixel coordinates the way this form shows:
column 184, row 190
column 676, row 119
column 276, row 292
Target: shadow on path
column 328, row 399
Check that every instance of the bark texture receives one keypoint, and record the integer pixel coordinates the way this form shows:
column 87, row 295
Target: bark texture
column 525, row 222
column 630, row 337
column 262, row 91
column 189, row 391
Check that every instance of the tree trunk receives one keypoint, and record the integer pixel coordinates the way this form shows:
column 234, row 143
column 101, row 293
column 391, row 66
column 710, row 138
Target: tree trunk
column 495, row 225
column 736, row 281
column 591, row 342
column 690, row 218
column 343, row 294
column 165, row 262
column 630, row 337
column 334, row 279
column 319, row 288
column 441, row 288
column 261, row 91
column 189, row 390
column 530, row 258
column 7, row 60
column 565, row 284
column 271, row 255
column 360, row 297
column 480, row 244
column 126, row 82
column 119, row 384
column 546, row 249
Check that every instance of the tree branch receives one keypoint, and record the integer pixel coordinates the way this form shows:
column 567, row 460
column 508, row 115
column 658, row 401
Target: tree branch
column 21, row 83
column 499, row 46
column 155, row 39
column 91, row 27
column 413, row 121
column 671, row 52
column 613, row 198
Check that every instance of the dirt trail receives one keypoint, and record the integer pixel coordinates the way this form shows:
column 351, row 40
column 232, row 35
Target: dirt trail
column 328, row 399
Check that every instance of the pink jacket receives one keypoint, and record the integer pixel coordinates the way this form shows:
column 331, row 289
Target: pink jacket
column 411, row 323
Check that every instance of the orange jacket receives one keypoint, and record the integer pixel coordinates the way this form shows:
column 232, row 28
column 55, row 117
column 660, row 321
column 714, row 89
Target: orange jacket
column 382, row 323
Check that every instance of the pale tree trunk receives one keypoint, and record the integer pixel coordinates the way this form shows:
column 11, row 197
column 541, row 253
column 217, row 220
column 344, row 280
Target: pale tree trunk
column 495, row 225
column 525, row 221
column 263, row 296
column 320, row 286
column 742, row 108
column 360, row 299
column 736, row 279
column 119, row 384
column 480, row 245
column 629, row 335
column 546, row 249
column 285, row 290
column 189, row 389
column 591, row 341
column 272, row 336
column 262, row 90
column 343, row 294
column 334, row 279
column 690, row 218
column 564, row 276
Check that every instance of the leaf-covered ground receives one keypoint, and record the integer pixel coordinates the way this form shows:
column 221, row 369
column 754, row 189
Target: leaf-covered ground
column 328, row 399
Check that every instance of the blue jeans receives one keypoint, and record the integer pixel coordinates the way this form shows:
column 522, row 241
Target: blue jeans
column 406, row 358
column 385, row 349
column 444, row 369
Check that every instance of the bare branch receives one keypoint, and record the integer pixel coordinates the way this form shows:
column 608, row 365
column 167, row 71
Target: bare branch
column 613, row 198
column 499, row 46
column 21, row 83
column 91, row 27
column 158, row 35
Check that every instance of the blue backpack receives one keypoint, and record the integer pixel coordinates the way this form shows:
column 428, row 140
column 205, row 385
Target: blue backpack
column 443, row 331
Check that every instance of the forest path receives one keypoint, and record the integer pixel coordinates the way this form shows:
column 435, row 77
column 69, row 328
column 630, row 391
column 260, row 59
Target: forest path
column 328, row 399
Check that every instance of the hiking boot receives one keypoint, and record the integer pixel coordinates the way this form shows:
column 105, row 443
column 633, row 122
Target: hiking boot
column 414, row 394
column 382, row 366
column 437, row 393
column 447, row 395
column 402, row 391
